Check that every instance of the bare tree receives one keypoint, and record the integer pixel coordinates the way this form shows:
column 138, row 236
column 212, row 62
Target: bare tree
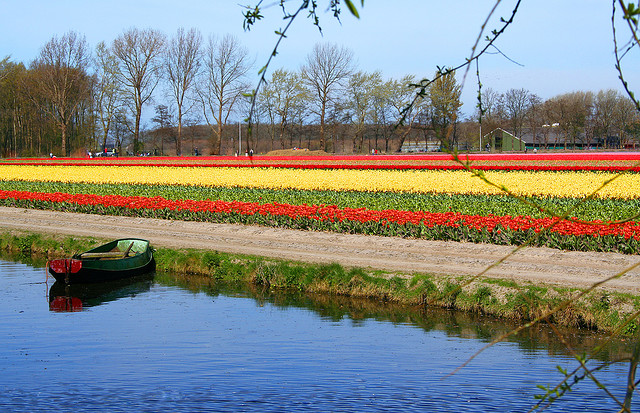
column 138, row 54
column 328, row 66
column 284, row 101
column 164, row 120
column 551, row 113
column 516, row 104
column 226, row 64
column 360, row 96
column 62, row 81
column 534, row 116
column 107, row 94
column 444, row 107
column 191, row 124
column 604, row 108
column 626, row 118
column 182, row 64
column 493, row 111
column 401, row 94
column 12, row 117
column 381, row 112
column 573, row 111
column 264, row 107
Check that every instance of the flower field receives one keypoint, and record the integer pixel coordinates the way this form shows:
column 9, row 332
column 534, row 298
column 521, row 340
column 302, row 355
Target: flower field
column 607, row 162
column 524, row 183
column 429, row 197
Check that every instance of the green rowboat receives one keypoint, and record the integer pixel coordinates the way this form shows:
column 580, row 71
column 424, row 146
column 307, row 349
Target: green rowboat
column 117, row 259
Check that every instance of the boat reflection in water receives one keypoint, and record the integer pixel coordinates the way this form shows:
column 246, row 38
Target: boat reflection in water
column 76, row 297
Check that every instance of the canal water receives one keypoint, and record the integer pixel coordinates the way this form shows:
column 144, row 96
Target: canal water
column 159, row 344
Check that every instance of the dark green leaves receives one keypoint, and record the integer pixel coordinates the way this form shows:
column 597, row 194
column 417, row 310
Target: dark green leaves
column 352, row 8
column 251, row 16
column 631, row 12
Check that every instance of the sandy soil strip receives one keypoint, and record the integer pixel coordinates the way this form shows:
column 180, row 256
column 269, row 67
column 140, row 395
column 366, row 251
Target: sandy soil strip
column 535, row 265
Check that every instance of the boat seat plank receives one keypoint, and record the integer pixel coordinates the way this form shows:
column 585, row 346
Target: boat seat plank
column 115, row 254
column 127, row 251
column 108, row 254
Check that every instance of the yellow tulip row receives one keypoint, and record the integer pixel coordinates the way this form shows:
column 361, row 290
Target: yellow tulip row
column 525, row 183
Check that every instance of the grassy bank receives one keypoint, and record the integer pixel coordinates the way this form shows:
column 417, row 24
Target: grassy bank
column 599, row 310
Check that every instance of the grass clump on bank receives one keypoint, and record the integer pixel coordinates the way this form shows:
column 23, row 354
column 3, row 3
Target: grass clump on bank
column 503, row 298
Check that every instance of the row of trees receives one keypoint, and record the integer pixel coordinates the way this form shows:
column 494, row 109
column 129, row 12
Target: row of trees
column 349, row 104
column 71, row 99
column 575, row 118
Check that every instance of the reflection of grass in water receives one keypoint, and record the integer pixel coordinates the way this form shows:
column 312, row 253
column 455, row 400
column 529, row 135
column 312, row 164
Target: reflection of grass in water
column 38, row 248
column 501, row 298
column 468, row 325
column 31, row 260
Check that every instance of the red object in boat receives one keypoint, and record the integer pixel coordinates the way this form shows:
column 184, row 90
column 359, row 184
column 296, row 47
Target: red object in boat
column 64, row 304
column 65, row 266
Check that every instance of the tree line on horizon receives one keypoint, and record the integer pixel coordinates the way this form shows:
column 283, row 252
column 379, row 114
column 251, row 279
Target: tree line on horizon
column 71, row 99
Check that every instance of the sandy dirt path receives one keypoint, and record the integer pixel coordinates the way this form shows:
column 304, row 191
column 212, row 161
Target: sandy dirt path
column 535, row 265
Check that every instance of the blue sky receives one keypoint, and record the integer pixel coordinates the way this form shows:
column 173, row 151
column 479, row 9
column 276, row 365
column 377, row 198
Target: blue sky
column 560, row 45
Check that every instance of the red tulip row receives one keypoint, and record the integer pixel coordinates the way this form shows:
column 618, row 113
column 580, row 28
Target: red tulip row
column 324, row 216
column 611, row 168
column 560, row 156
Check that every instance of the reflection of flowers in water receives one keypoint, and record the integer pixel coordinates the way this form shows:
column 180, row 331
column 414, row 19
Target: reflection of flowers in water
column 65, row 304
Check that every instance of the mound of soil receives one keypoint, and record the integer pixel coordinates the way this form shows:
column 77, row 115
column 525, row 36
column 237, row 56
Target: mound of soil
column 296, row 152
